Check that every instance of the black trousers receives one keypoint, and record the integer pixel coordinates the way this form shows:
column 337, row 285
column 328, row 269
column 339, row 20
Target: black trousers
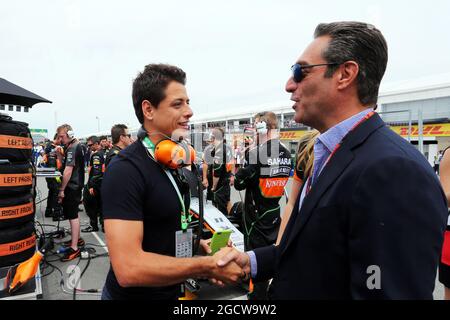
column 221, row 197
column 93, row 206
column 52, row 200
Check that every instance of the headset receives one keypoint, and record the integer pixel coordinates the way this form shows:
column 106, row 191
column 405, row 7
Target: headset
column 70, row 134
column 261, row 127
column 170, row 153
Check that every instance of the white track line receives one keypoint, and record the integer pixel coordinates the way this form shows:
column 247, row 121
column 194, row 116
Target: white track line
column 100, row 241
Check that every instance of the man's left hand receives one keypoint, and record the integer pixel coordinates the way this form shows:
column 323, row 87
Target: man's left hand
column 205, row 246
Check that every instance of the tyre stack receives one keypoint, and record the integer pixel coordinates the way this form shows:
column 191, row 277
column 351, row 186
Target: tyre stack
column 17, row 193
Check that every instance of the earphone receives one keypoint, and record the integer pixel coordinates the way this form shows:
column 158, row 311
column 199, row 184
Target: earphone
column 261, row 127
column 170, row 153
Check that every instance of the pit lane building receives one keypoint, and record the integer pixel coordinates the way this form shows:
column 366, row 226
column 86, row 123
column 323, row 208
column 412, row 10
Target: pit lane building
column 401, row 105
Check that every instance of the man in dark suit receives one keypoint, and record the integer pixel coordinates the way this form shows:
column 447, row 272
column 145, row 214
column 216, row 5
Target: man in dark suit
column 369, row 222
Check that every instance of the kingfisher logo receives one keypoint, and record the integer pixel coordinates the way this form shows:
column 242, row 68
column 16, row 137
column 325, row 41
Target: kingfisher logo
column 272, row 187
column 276, row 183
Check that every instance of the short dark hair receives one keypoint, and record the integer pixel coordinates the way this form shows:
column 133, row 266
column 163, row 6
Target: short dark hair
column 151, row 83
column 116, row 131
column 102, row 138
column 362, row 43
column 93, row 139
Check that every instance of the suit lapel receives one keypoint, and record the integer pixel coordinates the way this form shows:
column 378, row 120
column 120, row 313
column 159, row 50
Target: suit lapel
column 330, row 173
column 340, row 161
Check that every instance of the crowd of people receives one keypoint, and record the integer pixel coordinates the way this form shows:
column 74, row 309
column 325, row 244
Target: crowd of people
column 71, row 158
column 366, row 216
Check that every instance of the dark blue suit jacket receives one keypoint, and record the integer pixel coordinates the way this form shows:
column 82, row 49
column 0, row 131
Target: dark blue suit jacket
column 377, row 203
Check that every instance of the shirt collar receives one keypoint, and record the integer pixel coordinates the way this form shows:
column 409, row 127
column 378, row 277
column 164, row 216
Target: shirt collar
column 333, row 136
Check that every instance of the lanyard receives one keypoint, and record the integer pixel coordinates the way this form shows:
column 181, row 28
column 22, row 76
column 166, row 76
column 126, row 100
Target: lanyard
column 367, row 117
column 184, row 218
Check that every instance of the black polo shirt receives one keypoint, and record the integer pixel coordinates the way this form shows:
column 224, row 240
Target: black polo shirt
column 75, row 158
column 136, row 188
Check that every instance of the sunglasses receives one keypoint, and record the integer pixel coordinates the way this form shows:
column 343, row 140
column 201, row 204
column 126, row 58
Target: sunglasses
column 90, row 145
column 297, row 70
column 126, row 135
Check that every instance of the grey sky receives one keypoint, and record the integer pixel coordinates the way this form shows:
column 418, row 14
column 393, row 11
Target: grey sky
column 83, row 55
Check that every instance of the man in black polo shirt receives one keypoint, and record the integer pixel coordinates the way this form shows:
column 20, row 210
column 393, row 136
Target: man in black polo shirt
column 70, row 190
column 104, row 145
column 53, row 159
column 144, row 202
column 222, row 171
column 264, row 179
column 91, row 191
column 121, row 139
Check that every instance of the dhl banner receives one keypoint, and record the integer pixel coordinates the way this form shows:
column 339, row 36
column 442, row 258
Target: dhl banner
column 284, row 135
column 292, row 135
column 429, row 130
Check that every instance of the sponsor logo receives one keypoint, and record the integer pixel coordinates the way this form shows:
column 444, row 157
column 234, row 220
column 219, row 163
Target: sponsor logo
column 276, row 183
column 439, row 130
column 279, row 162
column 272, row 187
column 280, row 171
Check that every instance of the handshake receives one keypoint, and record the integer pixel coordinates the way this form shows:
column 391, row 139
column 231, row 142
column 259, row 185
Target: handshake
column 227, row 266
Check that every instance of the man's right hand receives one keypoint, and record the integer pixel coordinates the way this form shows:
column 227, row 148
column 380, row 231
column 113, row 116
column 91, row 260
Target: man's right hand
column 205, row 183
column 231, row 256
column 229, row 273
